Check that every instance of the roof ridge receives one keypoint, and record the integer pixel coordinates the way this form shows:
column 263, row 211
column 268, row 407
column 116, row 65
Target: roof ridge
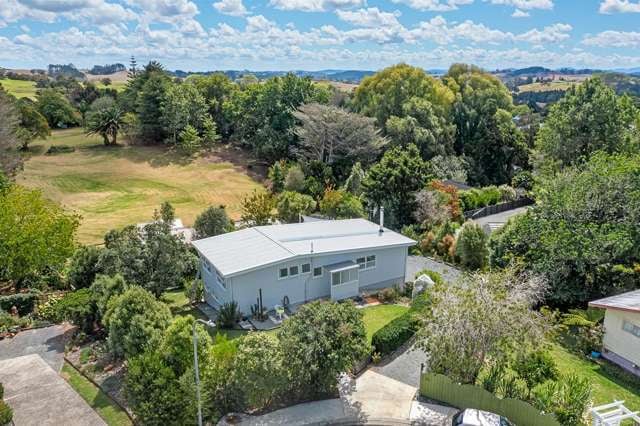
column 273, row 240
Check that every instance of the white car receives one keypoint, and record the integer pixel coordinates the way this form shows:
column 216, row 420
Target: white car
column 471, row 417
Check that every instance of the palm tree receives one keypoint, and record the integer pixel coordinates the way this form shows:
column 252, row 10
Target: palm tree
column 105, row 119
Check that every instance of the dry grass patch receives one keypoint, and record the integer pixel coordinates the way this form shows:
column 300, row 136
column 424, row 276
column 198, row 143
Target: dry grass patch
column 113, row 187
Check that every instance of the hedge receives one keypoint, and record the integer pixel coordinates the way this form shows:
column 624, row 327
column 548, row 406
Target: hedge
column 24, row 302
column 441, row 388
column 395, row 333
column 6, row 414
column 476, row 198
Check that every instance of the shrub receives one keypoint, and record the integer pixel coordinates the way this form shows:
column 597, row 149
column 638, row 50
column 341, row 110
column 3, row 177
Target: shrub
column 395, row 333
column 507, row 193
column 567, row 399
column 436, row 277
column 83, row 267
column 294, row 180
column 471, row 247
column 388, row 295
column 213, row 221
column 228, row 315
column 60, row 149
column 260, row 370
column 535, row 368
column 24, row 302
column 135, row 321
column 321, row 341
column 153, row 391
column 9, row 322
column 46, row 309
column 6, row 413
column 78, row 308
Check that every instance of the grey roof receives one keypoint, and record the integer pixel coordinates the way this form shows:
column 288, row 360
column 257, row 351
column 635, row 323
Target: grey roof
column 625, row 302
column 252, row 248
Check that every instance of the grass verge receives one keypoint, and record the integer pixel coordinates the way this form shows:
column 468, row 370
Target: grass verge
column 19, row 88
column 609, row 382
column 376, row 317
column 110, row 412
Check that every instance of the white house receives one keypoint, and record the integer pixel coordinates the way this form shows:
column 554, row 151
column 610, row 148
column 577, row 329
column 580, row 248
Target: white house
column 301, row 261
column 622, row 329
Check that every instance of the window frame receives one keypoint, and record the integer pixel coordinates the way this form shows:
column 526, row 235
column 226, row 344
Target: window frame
column 280, row 276
column 362, row 265
column 631, row 328
column 291, row 275
column 373, row 262
column 302, row 268
column 313, row 272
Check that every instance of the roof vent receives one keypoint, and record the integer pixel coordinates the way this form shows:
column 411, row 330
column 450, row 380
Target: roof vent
column 381, row 219
column 311, row 246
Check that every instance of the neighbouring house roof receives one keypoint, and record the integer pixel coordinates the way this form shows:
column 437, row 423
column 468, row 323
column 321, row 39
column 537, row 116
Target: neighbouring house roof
column 624, row 302
column 252, row 248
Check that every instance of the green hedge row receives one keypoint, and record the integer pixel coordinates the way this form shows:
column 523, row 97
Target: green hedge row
column 24, row 302
column 395, row 334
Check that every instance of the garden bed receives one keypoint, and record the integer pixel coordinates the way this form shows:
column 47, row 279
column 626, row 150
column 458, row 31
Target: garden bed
column 95, row 362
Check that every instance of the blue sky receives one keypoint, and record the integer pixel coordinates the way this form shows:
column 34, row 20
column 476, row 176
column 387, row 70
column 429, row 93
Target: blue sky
column 317, row 34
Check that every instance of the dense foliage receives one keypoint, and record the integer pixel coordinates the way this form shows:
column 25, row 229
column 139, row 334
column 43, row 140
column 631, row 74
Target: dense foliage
column 583, row 233
column 211, row 222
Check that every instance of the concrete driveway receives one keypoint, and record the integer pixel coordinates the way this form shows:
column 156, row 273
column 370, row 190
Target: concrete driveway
column 416, row 264
column 48, row 342
column 405, row 367
column 40, row 397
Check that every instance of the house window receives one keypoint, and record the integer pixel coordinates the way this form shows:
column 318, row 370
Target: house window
column 207, row 265
column 283, row 273
column 317, row 272
column 343, row 277
column 361, row 261
column 306, row 268
column 293, row 271
column 631, row 328
column 371, row 261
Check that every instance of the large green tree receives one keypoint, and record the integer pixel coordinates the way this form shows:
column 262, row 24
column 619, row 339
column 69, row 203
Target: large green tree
column 410, row 106
column 263, row 114
column 33, row 125
column 148, row 105
column 485, row 132
column 216, row 88
column 183, row 106
column 150, row 257
column 211, row 222
column 56, row 108
column 336, row 137
column 291, row 205
column 589, row 118
column 583, row 232
column 105, row 117
column 321, row 341
column 392, row 182
column 35, row 234
column 10, row 160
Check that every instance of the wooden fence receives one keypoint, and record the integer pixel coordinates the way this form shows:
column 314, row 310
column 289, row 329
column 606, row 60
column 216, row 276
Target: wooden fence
column 441, row 388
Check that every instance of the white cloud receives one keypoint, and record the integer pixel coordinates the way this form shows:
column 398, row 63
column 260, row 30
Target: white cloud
column 434, row 5
column 551, row 34
column 371, row 17
column 518, row 13
column 98, row 12
column 166, row 8
column 614, row 39
column 619, row 6
column 316, row 5
column 230, row 7
column 525, row 4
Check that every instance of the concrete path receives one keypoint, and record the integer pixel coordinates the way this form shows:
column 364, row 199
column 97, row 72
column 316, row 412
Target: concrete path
column 423, row 413
column 40, row 397
column 379, row 397
column 405, row 367
column 48, row 342
column 416, row 264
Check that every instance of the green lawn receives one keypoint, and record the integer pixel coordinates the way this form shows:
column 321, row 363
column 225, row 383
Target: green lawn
column 20, row 88
column 111, row 187
column 606, row 388
column 110, row 412
column 118, row 85
column 376, row 317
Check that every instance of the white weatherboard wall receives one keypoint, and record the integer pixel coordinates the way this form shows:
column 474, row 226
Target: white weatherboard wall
column 389, row 270
column 618, row 340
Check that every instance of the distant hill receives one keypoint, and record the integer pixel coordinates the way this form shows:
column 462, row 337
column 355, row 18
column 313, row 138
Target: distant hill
column 344, row 76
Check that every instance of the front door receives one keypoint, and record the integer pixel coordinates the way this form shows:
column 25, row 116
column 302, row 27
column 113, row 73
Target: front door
column 345, row 283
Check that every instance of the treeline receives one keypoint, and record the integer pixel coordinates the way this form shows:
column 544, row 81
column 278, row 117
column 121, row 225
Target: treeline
column 107, row 69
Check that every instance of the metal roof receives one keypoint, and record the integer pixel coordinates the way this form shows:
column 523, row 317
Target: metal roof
column 624, row 302
column 342, row 266
column 252, row 248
